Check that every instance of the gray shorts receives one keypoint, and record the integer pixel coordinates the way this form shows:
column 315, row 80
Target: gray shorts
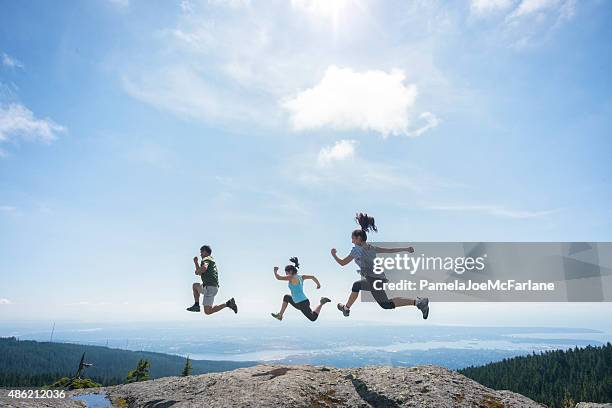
column 209, row 293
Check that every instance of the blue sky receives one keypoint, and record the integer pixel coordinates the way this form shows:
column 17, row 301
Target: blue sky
column 133, row 132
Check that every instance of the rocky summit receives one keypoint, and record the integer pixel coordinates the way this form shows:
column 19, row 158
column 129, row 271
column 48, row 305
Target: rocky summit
column 316, row 387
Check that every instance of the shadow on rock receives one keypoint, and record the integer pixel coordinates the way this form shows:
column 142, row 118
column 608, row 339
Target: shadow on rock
column 277, row 372
column 159, row 404
column 372, row 397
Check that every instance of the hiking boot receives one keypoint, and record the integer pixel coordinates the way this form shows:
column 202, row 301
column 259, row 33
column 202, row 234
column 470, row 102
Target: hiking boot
column 232, row 305
column 277, row 316
column 194, row 308
column 423, row 305
column 345, row 310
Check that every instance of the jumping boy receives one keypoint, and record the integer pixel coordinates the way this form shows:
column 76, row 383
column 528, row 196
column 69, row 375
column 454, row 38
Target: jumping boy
column 207, row 270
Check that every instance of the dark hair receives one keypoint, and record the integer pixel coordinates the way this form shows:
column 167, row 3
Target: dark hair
column 366, row 223
column 207, row 249
column 292, row 269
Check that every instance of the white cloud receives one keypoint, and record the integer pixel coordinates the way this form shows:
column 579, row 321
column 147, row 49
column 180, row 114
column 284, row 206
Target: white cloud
column 345, row 100
column 333, row 165
column 186, row 92
column 494, row 210
column 341, row 150
column 18, row 121
column 4, row 301
column 247, row 60
column 10, row 62
column 527, row 7
column 431, row 121
column 486, row 7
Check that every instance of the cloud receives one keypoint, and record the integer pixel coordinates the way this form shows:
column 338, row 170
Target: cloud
column 532, row 22
column 4, row 301
column 242, row 60
column 341, row 150
column 17, row 121
column 494, row 210
column 332, row 166
column 528, row 7
column 10, row 62
column 525, row 23
column 7, row 208
column 486, row 7
column 187, row 93
column 347, row 100
column 431, row 121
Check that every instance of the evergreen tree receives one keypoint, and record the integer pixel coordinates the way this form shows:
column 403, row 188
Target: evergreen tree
column 140, row 373
column 558, row 378
column 187, row 369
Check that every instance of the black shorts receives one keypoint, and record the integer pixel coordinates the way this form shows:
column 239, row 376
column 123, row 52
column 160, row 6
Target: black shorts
column 379, row 295
column 303, row 306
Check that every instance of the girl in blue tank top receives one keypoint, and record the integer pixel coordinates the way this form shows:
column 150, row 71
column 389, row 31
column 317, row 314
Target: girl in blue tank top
column 297, row 298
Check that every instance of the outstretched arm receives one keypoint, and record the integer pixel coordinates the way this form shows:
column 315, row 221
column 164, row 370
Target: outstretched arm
column 393, row 250
column 279, row 277
column 342, row 262
column 314, row 278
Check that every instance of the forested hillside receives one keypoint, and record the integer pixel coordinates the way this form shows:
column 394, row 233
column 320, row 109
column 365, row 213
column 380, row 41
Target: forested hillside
column 579, row 374
column 30, row 363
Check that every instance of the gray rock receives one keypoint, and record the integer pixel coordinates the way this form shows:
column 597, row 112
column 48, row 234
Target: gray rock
column 593, row 405
column 317, row 387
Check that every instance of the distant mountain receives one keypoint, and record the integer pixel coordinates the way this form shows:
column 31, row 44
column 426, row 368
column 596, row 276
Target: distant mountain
column 555, row 378
column 30, row 363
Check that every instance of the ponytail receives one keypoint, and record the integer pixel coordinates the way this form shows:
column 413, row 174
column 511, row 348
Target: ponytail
column 292, row 269
column 366, row 223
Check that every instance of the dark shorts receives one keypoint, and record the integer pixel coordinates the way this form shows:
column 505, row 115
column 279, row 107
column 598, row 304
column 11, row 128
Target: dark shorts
column 303, row 306
column 379, row 295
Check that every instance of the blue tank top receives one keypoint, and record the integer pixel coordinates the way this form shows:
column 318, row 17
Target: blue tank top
column 297, row 291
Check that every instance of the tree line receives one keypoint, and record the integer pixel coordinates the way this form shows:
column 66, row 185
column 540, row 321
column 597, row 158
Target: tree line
column 556, row 378
column 25, row 363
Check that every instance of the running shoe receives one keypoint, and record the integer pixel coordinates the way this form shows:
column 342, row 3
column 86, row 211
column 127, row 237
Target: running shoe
column 232, row 305
column 194, row 308
column 345, row 310
column 325, row 300
column 277, row 316
column 423, row 305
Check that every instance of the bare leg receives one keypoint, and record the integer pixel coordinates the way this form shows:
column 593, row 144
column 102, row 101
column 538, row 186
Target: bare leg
column 213, row 309
column 196, row 292
column 283, row 308
column 318, row 309
column 352, row 298
column 399, row 302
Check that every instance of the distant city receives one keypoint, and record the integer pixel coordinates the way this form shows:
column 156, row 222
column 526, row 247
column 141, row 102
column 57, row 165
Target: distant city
column 340, row 346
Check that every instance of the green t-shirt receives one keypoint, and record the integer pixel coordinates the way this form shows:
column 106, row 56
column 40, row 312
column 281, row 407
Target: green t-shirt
column 210, row 276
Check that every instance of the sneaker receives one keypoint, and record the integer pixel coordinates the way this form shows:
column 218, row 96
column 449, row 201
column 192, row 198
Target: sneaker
column 194, row 308
column 325, row 300
column 232, row 305
column 345, row 310
column 423, row 305
column 277, row 316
